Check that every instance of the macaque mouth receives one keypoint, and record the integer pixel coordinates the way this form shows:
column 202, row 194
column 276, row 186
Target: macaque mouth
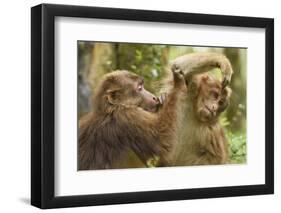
column 149, row 107
column 212, row 112
column 207, row 115
column 152, row 109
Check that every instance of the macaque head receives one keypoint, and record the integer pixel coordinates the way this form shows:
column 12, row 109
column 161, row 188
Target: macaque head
column 210, row 97
column 127, row 89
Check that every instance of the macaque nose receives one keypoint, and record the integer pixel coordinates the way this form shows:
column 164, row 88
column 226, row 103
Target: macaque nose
column 155, row 99
column 214, row 107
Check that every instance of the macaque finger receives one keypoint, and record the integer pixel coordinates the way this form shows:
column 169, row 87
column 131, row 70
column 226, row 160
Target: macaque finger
column 226, row 81
column 178, row 77
column 162, row 98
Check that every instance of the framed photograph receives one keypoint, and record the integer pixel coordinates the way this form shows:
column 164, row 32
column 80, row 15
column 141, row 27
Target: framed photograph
column 139, row 106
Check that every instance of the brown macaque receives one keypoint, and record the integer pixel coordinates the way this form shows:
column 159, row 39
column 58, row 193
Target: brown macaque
column 202, row 140
column 126, row 118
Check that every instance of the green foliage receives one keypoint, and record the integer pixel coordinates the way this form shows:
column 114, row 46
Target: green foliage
column 153, row 68
column 148, row 61
column 237, row 142
column 237, row 147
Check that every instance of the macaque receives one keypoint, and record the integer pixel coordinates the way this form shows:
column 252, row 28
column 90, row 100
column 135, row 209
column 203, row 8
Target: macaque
column 202, row 139
column 127, row 118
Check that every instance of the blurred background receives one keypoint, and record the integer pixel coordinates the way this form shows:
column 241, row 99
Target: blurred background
column 152, row 61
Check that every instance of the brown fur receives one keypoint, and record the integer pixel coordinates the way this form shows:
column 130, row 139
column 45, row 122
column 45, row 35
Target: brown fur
column 118, row 124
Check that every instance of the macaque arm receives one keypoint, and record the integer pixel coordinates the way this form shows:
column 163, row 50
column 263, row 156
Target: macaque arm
column 195, row 63
column 158, row 131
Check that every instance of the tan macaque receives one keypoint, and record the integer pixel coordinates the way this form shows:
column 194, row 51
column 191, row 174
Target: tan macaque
column 125, row 119
column 202, row 139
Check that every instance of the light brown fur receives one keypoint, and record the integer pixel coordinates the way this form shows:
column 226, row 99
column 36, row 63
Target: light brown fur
column 203, row 141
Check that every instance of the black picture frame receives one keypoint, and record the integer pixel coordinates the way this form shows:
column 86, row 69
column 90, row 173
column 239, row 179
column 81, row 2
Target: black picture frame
column 43, row 102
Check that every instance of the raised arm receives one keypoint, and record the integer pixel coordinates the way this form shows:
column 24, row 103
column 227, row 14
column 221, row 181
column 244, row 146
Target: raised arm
column 195, row 63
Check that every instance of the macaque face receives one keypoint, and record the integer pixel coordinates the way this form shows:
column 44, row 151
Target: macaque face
column 212, row 99
column 131, row 91
column 148, row 101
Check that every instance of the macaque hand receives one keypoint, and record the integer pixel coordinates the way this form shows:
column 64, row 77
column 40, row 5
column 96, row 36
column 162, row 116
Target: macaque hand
column 226, row 80
column 179, row 80
column 227, row 73
column 162, row 98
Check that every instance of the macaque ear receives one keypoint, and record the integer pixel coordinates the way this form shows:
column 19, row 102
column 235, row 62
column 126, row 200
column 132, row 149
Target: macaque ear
column 111, row 95
column 205, row 78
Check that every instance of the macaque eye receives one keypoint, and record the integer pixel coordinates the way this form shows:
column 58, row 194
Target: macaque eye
column 140, row 87
column 214, row 94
